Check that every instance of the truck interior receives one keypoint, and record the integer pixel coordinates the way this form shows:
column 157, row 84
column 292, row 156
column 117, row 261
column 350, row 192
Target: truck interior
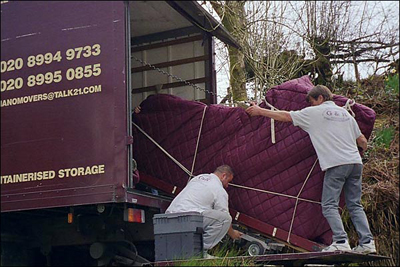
column 171, row 42
column 172, row 52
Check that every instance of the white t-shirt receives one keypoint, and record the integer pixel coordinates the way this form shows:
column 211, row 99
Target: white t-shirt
column 203, row 192
column 333, row 133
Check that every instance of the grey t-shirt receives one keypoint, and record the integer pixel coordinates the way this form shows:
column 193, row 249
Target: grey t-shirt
column 203, row 192
column 333, row 132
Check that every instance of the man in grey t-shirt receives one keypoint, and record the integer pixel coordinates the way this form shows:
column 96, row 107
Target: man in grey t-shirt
column 335, row 135
column 206, row 194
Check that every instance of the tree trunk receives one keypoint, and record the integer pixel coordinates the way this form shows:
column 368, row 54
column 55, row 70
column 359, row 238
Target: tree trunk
column 322, row 63
column 356, row 72
column 232, row 14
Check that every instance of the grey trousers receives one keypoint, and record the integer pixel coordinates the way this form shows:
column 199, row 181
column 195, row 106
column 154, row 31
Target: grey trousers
column 348, row 178
column 215, row 225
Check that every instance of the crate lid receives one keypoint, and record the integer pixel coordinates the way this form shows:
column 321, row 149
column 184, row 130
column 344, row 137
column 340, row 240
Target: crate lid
column 176, row 214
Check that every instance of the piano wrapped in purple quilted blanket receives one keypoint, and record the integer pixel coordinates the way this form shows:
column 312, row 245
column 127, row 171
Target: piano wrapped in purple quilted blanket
column 276, row 185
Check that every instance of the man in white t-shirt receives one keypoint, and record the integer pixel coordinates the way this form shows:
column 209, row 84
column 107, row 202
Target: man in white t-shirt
column 206, row 194
column 335, row 136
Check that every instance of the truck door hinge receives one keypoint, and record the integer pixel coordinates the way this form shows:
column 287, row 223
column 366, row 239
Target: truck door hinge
column 129, row 140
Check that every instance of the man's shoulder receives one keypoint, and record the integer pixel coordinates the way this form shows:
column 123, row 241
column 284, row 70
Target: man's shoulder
column 322, row 106
column 307, row 110
column 331, row 106
column 329, row 103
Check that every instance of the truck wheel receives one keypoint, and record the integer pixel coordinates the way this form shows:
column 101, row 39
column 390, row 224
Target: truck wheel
column 125, row 254
column 255, row 249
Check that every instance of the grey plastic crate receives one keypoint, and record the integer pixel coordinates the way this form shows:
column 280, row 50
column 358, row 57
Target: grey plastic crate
column 169, row 223
column 178, row 235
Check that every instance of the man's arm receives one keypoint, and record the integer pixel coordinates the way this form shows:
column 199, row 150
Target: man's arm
column 234, row 234
column 279, row 115
column 362, row 142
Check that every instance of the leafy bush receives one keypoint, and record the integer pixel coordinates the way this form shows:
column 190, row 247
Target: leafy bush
column 392, row 86
column 384, row 136
column 392, row 83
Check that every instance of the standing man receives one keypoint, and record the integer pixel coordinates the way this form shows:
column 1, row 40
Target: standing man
column 335, row 136
column 206, row 194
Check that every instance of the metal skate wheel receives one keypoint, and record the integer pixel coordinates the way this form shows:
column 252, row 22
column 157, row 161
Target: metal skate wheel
column 255, row 249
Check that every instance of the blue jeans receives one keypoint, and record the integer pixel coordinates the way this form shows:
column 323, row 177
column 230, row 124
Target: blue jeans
column 347, row 177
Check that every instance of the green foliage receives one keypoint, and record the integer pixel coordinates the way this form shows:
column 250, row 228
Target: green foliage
column 392, row 86
column 384, row 136
column 225, row 251
column 392, row 83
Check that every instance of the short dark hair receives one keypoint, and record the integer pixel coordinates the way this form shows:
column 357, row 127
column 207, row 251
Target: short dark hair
column 225, row 169
column 318, row 90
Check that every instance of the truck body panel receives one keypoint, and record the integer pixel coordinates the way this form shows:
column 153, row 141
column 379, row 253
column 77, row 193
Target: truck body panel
column 64, row 131
column 67, row 93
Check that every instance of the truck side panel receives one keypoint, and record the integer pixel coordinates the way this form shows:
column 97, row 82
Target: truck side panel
column 63, row 103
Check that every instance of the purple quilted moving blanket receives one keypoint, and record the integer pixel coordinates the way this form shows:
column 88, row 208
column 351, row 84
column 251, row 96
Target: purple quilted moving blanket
column 278, row 171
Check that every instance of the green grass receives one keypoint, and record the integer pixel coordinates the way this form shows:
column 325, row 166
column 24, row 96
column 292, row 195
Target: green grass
column 224, row 251
column 384, row 136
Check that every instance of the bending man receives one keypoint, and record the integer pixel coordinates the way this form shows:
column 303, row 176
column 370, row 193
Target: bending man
column 335, row 136
column 205, row 193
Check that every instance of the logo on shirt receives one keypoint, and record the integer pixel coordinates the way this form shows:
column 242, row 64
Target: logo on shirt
column 204, row 178
column 336, row 115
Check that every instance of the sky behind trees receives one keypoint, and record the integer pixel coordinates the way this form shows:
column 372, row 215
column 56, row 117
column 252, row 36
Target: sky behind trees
column 368, row 21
